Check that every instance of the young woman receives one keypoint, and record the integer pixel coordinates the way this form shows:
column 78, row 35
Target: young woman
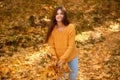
column 61, row 39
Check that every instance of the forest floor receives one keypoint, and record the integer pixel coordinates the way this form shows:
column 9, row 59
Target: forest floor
column 92, row 57
column 26, row 63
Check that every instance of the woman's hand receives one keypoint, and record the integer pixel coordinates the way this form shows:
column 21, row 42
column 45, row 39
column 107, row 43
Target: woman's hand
column 54, row 58
column 61, row 62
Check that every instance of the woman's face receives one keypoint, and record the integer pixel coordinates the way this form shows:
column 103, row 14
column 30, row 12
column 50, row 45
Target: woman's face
column 59, row 16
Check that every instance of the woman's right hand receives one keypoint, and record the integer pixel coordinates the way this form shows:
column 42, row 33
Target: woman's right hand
column 54, row 58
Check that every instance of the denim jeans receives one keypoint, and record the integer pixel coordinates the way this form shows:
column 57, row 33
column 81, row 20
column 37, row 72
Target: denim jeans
column 74, row 66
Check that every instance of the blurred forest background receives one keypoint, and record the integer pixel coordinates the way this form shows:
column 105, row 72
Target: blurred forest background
column 23, row 27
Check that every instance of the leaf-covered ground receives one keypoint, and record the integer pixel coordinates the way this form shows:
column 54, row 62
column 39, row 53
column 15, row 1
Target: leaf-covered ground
column 94, row 59
column 100, row 60
column 23, row 26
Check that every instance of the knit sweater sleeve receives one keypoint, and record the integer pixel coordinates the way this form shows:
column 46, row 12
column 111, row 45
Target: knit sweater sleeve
column 71, row 43
column 51, row 49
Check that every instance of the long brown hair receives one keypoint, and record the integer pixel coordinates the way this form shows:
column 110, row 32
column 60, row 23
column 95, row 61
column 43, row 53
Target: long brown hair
column 65, row 20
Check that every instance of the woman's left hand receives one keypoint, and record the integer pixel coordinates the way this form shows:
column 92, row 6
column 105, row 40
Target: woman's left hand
column 60, row 63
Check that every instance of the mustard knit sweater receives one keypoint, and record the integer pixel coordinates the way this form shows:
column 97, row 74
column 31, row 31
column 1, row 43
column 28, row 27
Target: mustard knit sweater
column 62, row 43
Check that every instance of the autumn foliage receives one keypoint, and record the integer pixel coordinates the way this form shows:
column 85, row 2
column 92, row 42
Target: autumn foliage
column 23, row 27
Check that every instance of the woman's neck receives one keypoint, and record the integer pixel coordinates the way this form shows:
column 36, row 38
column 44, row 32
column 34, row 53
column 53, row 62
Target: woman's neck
column 60, row 24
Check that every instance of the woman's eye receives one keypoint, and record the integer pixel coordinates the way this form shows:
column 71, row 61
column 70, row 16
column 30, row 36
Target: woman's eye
column 59, row 13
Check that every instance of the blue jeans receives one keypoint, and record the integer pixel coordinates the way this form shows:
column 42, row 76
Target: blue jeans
column 74, row 66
